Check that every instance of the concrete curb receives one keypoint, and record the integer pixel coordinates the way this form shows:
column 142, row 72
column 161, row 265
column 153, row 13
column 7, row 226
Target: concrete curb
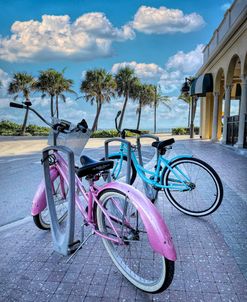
column 15, row 223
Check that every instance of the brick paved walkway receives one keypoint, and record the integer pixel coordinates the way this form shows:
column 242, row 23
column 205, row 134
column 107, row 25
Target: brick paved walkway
column 212, row 251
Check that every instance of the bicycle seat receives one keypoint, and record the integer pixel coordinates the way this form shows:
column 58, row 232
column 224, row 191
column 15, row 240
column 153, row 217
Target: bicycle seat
column 92, row 167
column 162, row 144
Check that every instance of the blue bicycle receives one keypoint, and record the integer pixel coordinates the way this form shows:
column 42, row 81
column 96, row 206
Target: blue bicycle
column 190, row 184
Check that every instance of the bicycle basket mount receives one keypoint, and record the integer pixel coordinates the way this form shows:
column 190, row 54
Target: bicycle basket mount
column 75, row 140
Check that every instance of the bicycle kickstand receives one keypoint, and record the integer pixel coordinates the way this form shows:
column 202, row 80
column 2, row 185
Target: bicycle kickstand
column 83, row 242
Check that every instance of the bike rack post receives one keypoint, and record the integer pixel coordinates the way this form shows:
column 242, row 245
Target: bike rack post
column 121, row 140
column 145, row 185
column 139, row 145
column 63, row 242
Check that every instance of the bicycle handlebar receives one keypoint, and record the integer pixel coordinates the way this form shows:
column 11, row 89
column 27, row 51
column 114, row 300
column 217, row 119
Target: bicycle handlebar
column 122, row 132
column 16, row 105
column 61, row 126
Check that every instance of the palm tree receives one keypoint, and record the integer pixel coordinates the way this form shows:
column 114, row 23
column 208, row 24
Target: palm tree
column 192, row 102
column 62, row 85
column 46, row 84
column 144, row 93
column 125, row 80
column 22, row 83
column 159, row 99
column 98, row 86
column 54, row 84
column 187, row 100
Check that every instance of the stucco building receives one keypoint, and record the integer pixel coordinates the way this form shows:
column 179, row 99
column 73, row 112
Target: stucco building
column 223, row 78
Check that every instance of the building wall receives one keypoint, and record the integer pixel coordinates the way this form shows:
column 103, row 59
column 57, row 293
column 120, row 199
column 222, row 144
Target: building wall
column 222, row 60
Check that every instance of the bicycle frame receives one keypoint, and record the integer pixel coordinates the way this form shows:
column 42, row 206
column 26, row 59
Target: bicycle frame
column 157, row 231
column 162, row 164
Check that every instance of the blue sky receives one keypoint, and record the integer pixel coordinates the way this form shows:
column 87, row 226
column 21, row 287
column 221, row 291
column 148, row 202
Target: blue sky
column 161, row 40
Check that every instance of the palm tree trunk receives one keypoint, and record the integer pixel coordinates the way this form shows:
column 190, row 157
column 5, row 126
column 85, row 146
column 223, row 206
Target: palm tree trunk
column 139, row 116
column 189, row 115
column 193, row 113
column 24, row 122
column 95, row 123
column 52, row 107
column 123, row 111
column 155, row 108
column 57, row 106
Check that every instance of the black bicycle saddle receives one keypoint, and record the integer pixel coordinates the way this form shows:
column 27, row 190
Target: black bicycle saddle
column 92, row 167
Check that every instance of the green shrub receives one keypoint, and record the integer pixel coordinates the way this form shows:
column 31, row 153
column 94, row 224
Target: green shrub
column 37, row 130
column 12, row 129
column 183, row 131
column 112, row 133
column 178, row 131
column 8, row 128
column 196, row 130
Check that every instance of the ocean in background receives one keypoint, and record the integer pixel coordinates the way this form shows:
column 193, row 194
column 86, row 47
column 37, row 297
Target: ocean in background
column 158, row 130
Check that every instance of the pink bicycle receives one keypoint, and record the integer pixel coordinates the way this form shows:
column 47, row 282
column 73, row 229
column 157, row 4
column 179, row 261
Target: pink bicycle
column 133, row 232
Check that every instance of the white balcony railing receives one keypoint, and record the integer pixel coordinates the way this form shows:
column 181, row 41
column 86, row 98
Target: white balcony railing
column 232, row 15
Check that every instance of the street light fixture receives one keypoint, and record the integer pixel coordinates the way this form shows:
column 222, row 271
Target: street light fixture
column 186, row 87
column 185, row 91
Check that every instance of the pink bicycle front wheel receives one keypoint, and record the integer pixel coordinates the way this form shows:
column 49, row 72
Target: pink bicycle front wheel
column 134, row 257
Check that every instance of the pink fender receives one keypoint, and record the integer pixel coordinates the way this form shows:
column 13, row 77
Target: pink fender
column 158, row 233
column 39, row 200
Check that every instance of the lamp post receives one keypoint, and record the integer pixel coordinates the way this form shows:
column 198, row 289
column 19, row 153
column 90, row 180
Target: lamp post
column 192, row 100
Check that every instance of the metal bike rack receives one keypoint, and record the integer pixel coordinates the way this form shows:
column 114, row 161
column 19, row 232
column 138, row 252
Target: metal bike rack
column 121, row 140
column 63, row 242
column 139, row 145
column 145, row 185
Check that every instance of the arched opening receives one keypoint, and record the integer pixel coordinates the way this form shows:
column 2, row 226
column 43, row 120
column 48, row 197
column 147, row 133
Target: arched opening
column 245, row 65
column 233, row 82
column 244, row 108
column 219, row 92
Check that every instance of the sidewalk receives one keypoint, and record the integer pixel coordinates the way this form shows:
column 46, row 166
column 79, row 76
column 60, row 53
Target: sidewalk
column 211, row 265
column 16, row 145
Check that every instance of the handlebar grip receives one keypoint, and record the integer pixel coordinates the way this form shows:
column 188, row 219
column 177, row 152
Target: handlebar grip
column 16, row 105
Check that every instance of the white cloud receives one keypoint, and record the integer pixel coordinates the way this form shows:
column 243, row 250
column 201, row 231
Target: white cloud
column 56, row 37
column 4, row 79
column 142, row 70
column 226, row 5
column 175, row 70
column 188, row 62
column 179, row 66
column 163, row 20
column 4, row 103
column 171, row 81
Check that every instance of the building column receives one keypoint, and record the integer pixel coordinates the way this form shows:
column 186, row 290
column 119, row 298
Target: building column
column 226, row 111
column 243, row 111
column 201, row 118
column 215, row 117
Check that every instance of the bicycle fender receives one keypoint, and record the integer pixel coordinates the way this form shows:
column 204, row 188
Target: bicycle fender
column 180, row 156
column 117, row 153
column 157, row 231
column 39, row 200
